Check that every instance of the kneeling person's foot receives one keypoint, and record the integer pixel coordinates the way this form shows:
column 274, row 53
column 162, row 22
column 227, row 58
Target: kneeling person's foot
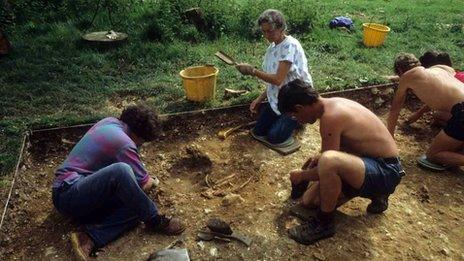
column 166, row 225
column 378, row 205
column 82, row 245
column 312, row 231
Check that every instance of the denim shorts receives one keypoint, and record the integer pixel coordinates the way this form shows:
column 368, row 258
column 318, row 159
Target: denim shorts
column 455, row 125
column 382, row 175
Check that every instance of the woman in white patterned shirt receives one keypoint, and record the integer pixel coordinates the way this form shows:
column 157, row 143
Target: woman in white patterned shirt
column 284, row 61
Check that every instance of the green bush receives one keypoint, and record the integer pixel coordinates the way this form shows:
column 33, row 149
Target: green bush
column 164, row 21
column 6, row 15
column 247, row 26
column 300, row 16
column 159, row 21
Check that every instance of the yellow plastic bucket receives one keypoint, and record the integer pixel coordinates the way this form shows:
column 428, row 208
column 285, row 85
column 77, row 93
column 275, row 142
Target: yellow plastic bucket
column 374, row 34
column 199, row 82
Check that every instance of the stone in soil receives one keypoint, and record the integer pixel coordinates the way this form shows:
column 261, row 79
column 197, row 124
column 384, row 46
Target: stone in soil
column 219, row 226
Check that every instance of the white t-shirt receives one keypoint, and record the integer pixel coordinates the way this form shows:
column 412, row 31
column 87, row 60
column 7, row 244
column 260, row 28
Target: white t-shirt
column 288, row 50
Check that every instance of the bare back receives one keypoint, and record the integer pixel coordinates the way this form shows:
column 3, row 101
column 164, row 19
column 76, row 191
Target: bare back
column 435, row 86
column 361, row 132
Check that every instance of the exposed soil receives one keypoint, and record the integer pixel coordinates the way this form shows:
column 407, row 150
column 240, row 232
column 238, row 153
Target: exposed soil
column 246, row 184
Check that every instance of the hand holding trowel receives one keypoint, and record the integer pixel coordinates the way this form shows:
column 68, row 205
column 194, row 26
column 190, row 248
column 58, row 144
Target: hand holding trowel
column 243, row 68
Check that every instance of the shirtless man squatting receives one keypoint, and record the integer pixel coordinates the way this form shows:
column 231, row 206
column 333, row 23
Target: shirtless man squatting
column 358, row 158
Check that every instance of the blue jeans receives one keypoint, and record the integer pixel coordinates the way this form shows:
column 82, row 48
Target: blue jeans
column 109, row 202
column 276, row 128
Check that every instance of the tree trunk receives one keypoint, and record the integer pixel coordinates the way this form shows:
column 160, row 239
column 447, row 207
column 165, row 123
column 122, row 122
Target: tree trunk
column 5, row 45
column 195, row 16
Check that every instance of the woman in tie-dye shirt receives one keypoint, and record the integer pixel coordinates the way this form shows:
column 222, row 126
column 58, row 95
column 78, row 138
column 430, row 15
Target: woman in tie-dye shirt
column 102, row 182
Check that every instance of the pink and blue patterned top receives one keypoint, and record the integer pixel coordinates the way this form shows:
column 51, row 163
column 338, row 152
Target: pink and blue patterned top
column 107, row 142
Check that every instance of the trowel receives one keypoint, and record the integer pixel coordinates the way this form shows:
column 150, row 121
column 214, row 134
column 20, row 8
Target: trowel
column 220, row 229
column 210, row 235
column 225, row 58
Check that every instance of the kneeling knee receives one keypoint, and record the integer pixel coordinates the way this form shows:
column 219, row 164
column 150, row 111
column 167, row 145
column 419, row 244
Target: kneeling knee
column 123, row 170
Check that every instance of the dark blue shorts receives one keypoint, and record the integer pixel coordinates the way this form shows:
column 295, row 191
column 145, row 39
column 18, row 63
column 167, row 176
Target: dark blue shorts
column 381, row 178
column 455, row 125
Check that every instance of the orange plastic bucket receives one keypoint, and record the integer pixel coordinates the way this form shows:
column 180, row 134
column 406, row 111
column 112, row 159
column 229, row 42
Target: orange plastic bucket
column 374, row 34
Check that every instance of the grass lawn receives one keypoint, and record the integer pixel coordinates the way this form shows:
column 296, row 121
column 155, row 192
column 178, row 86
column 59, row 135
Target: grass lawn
column 51, row 79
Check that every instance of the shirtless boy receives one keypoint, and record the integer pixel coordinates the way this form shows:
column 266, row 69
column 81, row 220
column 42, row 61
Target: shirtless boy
column 429, row 59
column 439, row 90
column 358, row 157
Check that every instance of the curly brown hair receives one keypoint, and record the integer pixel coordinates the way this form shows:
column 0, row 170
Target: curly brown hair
column 142, row 121
column 405, row 62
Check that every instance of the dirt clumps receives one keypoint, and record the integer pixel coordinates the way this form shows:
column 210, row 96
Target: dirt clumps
column 196, row 157
column 424, row 194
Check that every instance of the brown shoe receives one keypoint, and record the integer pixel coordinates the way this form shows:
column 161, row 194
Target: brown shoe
column 82, row 245
column 166, row 225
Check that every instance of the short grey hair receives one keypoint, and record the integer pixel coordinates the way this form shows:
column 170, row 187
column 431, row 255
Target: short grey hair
column 273, row 17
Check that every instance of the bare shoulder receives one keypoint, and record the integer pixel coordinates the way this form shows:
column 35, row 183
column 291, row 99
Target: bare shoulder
column 444, row 68
column 409, row 78
column 414, row 73
column 335, row 110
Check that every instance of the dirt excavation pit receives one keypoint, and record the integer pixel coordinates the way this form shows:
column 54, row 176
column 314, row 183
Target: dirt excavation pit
column 245, row 184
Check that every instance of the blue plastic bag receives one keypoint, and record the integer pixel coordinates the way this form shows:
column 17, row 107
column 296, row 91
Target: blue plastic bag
column 341, row 21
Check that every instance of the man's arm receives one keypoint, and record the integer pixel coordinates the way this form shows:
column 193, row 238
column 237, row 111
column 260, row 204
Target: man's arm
column 397, row 103
column 297, row 176
column 331, row 127
column 415, row 116
column 151, row 183
column 131, row 156
column 254, row 106
column 392, row 78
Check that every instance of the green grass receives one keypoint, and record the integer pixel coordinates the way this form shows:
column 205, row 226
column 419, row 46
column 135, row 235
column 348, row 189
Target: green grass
column 51, row 79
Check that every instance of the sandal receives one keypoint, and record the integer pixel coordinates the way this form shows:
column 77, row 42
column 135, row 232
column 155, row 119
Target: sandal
column 290, row 141
column 425, row 163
